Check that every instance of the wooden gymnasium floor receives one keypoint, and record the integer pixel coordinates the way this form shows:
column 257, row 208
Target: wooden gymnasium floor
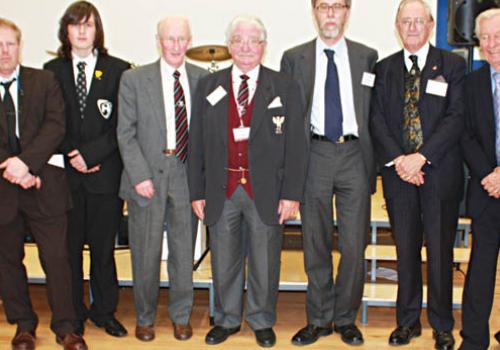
column 291, row 317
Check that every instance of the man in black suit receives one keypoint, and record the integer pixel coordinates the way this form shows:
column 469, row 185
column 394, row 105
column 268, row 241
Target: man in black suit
column 33, row 193
column 416, row 122
column 481, row 147
column 246, row 166
column 340, row 165
column 89, row 79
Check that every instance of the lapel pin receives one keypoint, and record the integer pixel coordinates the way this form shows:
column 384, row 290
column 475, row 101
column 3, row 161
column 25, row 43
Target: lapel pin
column 434, row 68
column 278, row 121
column 98, row 74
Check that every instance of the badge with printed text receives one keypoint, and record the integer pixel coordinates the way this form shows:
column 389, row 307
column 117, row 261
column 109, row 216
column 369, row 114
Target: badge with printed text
column 105, row 108
column 278, row 120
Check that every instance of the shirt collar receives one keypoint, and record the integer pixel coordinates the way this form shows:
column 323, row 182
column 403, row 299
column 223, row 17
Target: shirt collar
column 340, row 47
column 168, row 70
column 15, row 74
column 87, row 60
column 253, row 75
column 421, row 56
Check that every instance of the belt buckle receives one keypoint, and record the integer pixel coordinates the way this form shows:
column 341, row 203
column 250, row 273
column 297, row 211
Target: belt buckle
column 341, row 139
column 169, row 152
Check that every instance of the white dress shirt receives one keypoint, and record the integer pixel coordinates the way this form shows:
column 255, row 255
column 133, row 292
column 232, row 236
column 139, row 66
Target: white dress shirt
column 167, row 84
column 90, row 62
column 341, row 58
column 13, row 92
column 421, row 57
column 252, row 81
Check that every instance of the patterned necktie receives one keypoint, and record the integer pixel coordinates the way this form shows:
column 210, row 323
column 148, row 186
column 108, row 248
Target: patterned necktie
column 81, row 86
column 243, row 94
column 333, row 104
column 181, row 124
column 496, row 103
column 10, row 112
column 412, row 129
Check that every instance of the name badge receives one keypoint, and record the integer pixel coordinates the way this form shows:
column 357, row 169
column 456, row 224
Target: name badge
column 241, row 133
column 216, row 95
column 437, row 88
column 368, row 79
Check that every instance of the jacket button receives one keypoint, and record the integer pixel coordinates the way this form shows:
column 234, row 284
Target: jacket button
column 223, row 187
column 160, row 171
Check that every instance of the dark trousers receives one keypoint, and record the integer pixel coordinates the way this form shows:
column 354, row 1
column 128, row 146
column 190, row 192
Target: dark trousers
column 231, row 245
column 480, row 280
column 50, row 236
column 416, row 214
column 95, row 220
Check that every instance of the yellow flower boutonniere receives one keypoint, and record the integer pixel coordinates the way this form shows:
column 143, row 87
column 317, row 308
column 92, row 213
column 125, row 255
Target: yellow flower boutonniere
column 98, row 74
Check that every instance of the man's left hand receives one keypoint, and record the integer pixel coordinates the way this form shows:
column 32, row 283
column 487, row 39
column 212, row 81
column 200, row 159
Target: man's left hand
column 14, row 170
column 287, row 210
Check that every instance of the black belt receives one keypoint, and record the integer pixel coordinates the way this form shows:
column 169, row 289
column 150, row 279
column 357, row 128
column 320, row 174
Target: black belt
column 342, row 139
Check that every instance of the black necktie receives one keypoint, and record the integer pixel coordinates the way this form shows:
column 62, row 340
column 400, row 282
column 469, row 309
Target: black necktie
column 333, row 104
column 412, row 129
column 10, row 112
column 81, row 87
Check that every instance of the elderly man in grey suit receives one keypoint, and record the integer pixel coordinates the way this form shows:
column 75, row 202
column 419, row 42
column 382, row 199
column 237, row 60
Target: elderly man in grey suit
column 154, row 112
column 246, row 168
column 336, row 82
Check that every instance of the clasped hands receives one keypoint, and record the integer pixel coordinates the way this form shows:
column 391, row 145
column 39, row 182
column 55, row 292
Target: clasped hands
column 409, row 168
column 491, row 183
column 17, row 172
column 76, row 160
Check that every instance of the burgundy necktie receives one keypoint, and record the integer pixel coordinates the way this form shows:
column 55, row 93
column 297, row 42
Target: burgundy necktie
column 243, row 94
column 181, row 124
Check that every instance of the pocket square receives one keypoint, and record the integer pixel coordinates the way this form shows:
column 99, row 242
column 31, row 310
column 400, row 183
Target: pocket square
column 275, row 103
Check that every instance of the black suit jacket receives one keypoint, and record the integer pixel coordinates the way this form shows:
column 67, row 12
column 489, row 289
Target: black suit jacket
column 478, row 140
column 277, row 162
column 93, row 135
column 41, row 124
column 441, row 118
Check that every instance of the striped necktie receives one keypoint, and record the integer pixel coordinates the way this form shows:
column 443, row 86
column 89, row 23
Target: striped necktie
column 243, row 95
column 181, row 124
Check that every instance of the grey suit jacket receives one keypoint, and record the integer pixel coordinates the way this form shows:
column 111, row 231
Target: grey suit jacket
column 142, row 130
column 300, row 63
column 276, row 160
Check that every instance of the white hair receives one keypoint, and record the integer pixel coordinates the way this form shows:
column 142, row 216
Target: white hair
column 424, row 3
column 485, row 15
column 167, row 20
column 247, row 19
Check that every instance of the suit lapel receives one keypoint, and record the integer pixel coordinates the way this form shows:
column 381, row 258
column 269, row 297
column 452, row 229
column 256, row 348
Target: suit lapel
column 23, row 96
column 192, row 80
column 356, row 60
column 98, row 75
column 433, row 68
column 307, row 68
column 221, row 108
column 486, row 116
column 154, row 88
column 261, row 99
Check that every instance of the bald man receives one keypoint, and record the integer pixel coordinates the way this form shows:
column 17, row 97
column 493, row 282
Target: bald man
column 154, row 178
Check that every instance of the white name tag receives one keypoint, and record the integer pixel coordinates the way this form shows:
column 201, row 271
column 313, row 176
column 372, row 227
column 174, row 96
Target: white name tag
column 57, row 160
column 241, row 134
column 438, row 88
column 216, row 95
column 368, row 79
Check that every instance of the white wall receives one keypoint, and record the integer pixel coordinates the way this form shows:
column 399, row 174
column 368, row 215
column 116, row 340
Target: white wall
column 130, row 25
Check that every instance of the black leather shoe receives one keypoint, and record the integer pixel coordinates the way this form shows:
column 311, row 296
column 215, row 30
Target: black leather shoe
column 218, row 334
column 444, row 340
column 113, row 327
column 265, row 337
column 309, row 334
column 350, row 334
column 402, row 334
column 497, row 337
column 80, row 327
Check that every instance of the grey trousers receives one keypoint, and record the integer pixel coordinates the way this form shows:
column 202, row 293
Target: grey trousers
column 169, row 205
column 335, row 170
column 260, row 244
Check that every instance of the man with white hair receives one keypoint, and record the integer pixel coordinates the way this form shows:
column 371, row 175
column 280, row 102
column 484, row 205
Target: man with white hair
column 481, row 147
column 416, row 122
column 153, row 117
column 246, row 168
column 335, row 75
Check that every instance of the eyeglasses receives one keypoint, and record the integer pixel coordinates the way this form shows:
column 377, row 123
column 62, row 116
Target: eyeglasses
column 418, row 22
column 324, row 7
column 251, row 42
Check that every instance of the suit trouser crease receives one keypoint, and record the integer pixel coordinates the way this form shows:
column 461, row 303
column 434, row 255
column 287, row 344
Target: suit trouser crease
column 95, row 220
column 480, row 280
column 169, row 205
column 50, row 236
column 230, row 244
column 335, row 170
column 416, row 214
